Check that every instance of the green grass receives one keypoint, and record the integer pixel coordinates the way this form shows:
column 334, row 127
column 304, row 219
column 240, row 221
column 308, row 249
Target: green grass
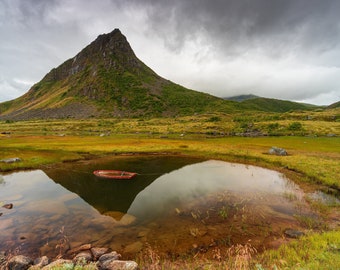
column 316, row 251
column 316, row 159
column 311, row 160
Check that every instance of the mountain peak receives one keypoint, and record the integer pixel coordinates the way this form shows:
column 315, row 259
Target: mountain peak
column 106, row 50
column 105, row 79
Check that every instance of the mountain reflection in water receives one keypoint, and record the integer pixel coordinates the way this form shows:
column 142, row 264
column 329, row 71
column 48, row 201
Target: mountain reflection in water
column 193, row 181
column 109, row 194
column 198, row 198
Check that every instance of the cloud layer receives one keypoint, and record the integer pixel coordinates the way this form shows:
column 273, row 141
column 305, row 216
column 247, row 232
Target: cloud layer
column 283, row 49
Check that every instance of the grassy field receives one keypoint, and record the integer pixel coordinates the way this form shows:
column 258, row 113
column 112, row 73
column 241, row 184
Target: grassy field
column 313, row 158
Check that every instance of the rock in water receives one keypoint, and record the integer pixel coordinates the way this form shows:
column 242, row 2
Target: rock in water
column 8, row 206
column 293, row 233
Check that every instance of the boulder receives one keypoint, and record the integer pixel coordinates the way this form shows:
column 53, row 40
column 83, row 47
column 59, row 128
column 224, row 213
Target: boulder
column 97, row 252
column 59, row 264
column 10, row 160
column 83, row 258
column 119, row 265
column 40, row 262
column 277, row 151
column 109, row 256
column 19, row 262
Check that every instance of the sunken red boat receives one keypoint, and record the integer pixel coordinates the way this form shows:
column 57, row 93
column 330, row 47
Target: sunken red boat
column 114, row 174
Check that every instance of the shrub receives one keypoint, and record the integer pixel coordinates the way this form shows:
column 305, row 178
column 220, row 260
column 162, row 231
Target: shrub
column 295, row 126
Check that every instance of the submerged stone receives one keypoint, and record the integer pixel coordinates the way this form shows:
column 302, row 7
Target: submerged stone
column 8, row 205
column 80, row 248
column 134, row 247
column 293, row 233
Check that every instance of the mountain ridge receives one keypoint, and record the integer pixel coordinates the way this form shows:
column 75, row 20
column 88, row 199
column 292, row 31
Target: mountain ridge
column 106, row 79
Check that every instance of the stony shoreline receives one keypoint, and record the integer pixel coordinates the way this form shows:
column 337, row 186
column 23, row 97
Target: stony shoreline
column 85, row 256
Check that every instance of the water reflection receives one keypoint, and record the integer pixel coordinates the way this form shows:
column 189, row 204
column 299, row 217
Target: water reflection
column 113, row 195
column 204, row 200
column 193, row 181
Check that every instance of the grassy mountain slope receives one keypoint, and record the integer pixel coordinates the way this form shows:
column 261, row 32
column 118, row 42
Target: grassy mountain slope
column 334, row 105
column 106, row 79
column 241, row 98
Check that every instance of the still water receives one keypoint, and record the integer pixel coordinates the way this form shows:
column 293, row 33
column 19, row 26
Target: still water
column 175, row 205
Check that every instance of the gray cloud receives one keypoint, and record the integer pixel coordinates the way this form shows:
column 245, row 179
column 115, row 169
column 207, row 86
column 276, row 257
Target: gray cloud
column 308, row 25
column 284, row 49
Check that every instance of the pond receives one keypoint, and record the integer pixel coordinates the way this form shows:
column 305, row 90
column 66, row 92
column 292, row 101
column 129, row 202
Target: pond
column 176, row 205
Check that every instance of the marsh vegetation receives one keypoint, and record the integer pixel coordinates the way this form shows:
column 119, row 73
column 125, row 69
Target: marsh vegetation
column 313, row 162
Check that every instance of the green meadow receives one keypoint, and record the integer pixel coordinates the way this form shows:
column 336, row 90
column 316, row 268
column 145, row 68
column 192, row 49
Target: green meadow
column 313, row 161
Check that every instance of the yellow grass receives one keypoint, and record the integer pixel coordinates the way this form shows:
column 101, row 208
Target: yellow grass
column 310, row 159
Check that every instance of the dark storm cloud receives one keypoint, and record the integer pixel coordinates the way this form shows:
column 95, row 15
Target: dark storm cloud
column 277, row 48
column 304, row 35
column 236, row 26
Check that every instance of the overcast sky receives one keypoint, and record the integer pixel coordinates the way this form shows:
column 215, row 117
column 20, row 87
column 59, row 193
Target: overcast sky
column 286, row 49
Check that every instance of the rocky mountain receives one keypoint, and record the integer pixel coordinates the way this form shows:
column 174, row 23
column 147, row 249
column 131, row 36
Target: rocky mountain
column 106, row 79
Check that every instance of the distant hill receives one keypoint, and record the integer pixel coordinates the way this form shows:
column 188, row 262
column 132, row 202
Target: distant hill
column 241, row 98
column 334, row 105
column 253, row 102
column 275, row 105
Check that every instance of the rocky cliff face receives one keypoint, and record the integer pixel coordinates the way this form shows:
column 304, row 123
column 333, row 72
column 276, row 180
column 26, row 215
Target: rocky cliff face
column 108, row 50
